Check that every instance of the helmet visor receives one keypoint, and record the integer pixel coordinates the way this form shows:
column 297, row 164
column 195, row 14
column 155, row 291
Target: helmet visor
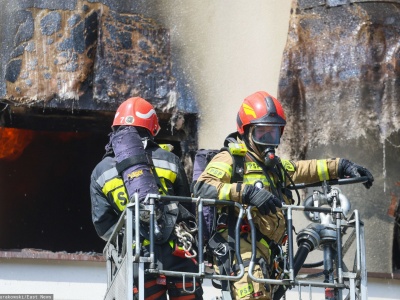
column 266, row 135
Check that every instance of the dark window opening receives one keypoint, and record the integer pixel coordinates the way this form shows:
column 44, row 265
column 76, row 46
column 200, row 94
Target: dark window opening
column 44, row 188
column 45, row 200
column 45, row 176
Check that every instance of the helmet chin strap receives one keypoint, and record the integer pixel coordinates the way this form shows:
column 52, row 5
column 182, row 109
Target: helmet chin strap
column 270, row 159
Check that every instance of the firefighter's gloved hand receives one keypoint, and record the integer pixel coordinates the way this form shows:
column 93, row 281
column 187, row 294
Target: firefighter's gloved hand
column 347, row 168
column 265, row 201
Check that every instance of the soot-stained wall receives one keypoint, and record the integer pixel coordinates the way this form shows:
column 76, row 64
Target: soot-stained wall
column 65, row 67
column 340, row 85
column 87, row 52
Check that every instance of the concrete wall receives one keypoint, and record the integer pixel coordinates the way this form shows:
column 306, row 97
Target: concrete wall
column 87, row 281
column 64, row 279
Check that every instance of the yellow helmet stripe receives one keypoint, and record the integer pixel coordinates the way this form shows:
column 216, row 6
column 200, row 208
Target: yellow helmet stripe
column 248, row 110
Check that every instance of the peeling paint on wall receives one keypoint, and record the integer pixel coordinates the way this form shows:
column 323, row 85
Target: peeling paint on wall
column 54, row 52
column 339, row 84
column 85, row 55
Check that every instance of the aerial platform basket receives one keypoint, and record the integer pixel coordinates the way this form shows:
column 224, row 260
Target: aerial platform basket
column 334, row 231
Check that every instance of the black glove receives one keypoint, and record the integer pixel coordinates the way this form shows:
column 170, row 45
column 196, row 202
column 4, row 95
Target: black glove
column 347, row 168
column 265, row 201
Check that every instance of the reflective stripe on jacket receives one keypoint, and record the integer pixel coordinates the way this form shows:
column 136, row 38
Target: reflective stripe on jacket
column 109, row 197
column 215, row 183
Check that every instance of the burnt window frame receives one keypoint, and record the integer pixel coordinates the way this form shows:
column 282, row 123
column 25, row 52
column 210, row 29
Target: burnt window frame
column 97, row 124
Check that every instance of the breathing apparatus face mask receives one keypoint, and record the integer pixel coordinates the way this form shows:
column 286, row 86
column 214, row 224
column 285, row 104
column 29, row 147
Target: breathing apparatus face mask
column 266, row 135
column 266, row 138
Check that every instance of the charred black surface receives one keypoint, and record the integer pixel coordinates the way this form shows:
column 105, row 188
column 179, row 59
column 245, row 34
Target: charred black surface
column 396, row 241
column 65, row 67
column 133, row 58
column 339, row 84
column 84, row 55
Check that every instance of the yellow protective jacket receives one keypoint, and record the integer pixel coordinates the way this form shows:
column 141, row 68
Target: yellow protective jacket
column 215, row 183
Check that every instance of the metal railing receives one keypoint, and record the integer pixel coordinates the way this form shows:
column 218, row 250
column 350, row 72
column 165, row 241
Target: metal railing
column 325, row 232
column 121, row 258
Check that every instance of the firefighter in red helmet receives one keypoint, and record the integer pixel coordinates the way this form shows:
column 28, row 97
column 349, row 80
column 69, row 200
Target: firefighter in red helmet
column 133, row 130
column 262, row 184
column 137, row 112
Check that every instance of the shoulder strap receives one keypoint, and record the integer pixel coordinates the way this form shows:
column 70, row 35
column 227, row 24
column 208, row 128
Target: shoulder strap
column 238, row 169
column 131, row 161
column 238, row 152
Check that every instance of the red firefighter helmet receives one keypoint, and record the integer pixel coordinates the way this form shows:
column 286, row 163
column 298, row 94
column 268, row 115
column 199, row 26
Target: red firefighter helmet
column 137, row 112
column 260, row 108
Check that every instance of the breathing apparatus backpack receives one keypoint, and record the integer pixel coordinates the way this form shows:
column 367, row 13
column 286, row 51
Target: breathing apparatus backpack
column 201, row 160
column 135, row 166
